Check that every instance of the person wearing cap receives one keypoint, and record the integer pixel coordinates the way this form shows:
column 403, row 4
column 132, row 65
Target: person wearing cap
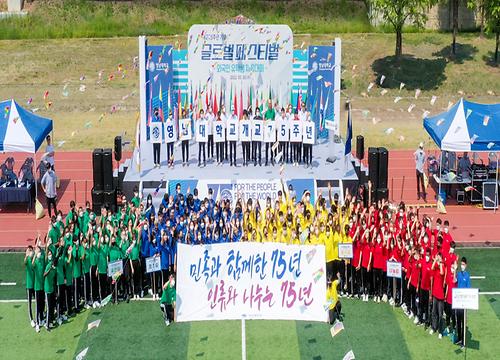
column 419, row 166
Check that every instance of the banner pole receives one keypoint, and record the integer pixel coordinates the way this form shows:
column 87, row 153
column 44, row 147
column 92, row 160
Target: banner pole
column 465, row 329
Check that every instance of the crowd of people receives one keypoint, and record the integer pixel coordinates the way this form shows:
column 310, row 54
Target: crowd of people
column 68, row 269
column 287, row 148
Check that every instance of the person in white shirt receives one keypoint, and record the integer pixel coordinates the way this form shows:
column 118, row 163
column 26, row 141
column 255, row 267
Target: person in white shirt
column 308, row 147
column 48, row 157
column 419, row 166
column 283, row 145
column 49, row 187
column 210, row 116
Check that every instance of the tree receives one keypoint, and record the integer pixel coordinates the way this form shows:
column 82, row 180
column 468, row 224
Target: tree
column 479, row 6
column 401, row 12
column 492, row 17
column 454, row 12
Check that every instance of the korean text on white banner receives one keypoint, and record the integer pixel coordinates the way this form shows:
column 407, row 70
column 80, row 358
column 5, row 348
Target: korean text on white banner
column 257, row 130
column 309, row 133
column 283, row 130
column 345, row 251
column 465, row 298
column 115, row 268
column 219, row 133
column 270, row 131
column 245, row 133
column 241, row 58
column 394, row 269
column 201, row 131
column 232, row 133
column 170, row 133
column 155, row 131
column 296, row 131
column 153, row 264
column 185, row 131
column 251, row 281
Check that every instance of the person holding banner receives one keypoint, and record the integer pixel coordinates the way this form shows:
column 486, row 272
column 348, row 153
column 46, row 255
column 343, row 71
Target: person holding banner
column 270, row 139
column 245, row 137
column 170, row 138
column 155, row 130
column 463, row 282
column 220, row 138
column 282, row 134
column 308, row 138
column 202, row 137
column 256, row 135
column 185, row 136
column 296, row 138
column 210, row 117
column 232, row 137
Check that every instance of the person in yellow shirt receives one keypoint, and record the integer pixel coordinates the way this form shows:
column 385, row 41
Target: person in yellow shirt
column 332, row 298
column 294, row 239
column 329, row 254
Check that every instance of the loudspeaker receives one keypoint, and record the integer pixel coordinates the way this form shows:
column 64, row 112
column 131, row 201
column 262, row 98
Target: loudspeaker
column 97, row 169
column 383, row 167
column 110, row 200
column 107, row 169
column 489, row 200
column 382, row 193
column 97, row 200
column 373, row 166
column 118, row 148
column 360, row 147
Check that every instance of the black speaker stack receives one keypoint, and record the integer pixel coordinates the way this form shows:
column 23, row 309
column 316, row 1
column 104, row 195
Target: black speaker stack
column 378, row 168
column 104, row 190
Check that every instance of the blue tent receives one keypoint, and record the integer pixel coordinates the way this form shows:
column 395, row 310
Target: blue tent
column 20, row 129
column 466, row 126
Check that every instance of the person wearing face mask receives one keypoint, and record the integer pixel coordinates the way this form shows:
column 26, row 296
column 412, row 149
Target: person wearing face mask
column 425, row 287
column 447, row 238
column 463, row 282
column 49, row 187
column 257, row 144
column 378, row 266
column 102, row 268
column 451, row 282
column 414, row 284
column 49, row 282
column 30, row 278
column 167, row 301
column 136, row 200
column 38, row 264
column 437, row 285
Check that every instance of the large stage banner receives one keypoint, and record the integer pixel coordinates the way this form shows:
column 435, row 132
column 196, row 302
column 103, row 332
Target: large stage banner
column 323, row 89
column 251, row 281
column 240, row 64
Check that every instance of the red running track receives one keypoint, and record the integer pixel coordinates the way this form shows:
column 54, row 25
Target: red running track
column 469, row 224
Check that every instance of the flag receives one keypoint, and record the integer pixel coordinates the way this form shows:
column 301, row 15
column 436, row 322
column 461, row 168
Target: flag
column 231, row 108
column 138, row 143
column 250, row 96
column 321, row 111
column 241, row 103
column 160, row 103
column 257, row 99
column 222, row 99
column 157, row 190
column 216, row 108
column 349, row 133
column 299, row 99
column 206, row 99
column 169, row 96
column 179, row 98
column 235, row 104
column 261, row 106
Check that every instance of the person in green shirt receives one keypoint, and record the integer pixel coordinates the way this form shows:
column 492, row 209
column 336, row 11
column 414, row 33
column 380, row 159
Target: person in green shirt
column 60, row 261
column 94, row 257
column 167, row 301
column 136, row 200
column 77, row 272
column 71, row 213
column 38, row 263
column 85, row 261
column 102, row 267
column 115, row 254
column 54, row 232
column 30, row 280
column 68, row 274
column 135, row 266
column 48, row 286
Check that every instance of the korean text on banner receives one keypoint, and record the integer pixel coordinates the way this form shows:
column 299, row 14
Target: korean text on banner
column 115, row 268
column 153, row 264
column 345, row 251
column 251, row 281
column 465, row 298
column 394, row 269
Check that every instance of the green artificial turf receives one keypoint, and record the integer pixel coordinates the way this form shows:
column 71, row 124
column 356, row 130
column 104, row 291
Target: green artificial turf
column 18, row 340
column 12, row 270
column 483, row 262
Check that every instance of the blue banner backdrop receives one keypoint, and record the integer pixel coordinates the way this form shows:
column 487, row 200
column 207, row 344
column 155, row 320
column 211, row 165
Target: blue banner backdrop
column 160, row 92
column 321, row 85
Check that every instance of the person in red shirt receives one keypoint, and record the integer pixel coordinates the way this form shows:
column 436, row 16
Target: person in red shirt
column 451, row 282
column 438, row 274
column 413, row 284
column 425, row 286
column 394, row 254
column 366, row 265
column 356, row 260
column 406, row 273
column 378, row 267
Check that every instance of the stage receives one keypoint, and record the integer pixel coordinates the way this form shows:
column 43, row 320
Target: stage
column 319, row 174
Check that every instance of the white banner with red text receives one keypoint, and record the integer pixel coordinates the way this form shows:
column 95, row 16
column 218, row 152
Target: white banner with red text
column 251, row 281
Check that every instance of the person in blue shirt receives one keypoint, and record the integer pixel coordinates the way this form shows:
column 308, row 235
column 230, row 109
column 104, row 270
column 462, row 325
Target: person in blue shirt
column 150, row 208
column 165, row 252
column 197, row 202
column 463, row 282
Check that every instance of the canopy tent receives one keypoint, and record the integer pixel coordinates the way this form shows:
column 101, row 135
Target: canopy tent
column 466, row 126
column 20, row 129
